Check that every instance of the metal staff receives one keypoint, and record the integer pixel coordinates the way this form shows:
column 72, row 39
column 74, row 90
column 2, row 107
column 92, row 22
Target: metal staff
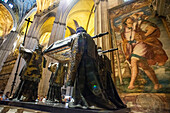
column 68, row 44
column 100, row 35
column 110, row 50
column 23, row 43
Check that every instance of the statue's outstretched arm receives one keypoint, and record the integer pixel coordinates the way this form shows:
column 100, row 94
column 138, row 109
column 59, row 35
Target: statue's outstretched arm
column 25, row 53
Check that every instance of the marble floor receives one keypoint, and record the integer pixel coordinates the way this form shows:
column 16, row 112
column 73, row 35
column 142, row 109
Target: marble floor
column 13, row 109
column 136, row 103
column 30, row 107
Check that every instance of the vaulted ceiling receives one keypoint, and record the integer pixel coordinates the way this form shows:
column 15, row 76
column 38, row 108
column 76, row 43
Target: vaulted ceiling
column 6, row 21
column 83, row 13
column 19, row 8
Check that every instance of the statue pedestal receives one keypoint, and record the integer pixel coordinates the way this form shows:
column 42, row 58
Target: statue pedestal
column 53, row 107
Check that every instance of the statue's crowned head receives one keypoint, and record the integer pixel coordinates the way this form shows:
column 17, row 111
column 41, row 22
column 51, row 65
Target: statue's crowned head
column 80, row 29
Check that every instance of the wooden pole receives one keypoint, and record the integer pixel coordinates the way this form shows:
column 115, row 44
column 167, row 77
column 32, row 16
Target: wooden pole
column 117, row 54
column 111, row 53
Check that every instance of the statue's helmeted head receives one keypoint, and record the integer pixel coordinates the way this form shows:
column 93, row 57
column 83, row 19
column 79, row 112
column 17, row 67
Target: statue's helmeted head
column 80, row 29
column 39, row 48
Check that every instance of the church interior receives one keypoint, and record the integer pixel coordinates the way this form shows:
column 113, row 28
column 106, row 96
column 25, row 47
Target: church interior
column 51, row 51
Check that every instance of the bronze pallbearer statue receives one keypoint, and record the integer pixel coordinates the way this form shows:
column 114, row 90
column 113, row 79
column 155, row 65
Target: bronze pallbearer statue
column 56, row 81
column 93, row 85
column 30, row 74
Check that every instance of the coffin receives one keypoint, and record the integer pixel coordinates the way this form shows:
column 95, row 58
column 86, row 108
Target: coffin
column 61, row 50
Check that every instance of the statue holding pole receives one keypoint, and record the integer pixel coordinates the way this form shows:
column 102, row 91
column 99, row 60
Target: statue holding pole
column 16, row 73
column 30, row 74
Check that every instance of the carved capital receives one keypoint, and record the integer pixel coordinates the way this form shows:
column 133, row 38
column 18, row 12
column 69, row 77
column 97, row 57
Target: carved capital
column 64, row 24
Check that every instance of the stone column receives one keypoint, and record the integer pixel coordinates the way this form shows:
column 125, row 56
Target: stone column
column 31, row 38
column 101, row 23
column 57, row 33
column 5, row 49
column 54, row 32
column 7, row 46
column 59, row 26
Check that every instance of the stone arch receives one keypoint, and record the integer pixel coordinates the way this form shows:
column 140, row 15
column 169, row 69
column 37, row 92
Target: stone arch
column 83, row 14
column 45, row 31
column 42, row 21
column 60, row 20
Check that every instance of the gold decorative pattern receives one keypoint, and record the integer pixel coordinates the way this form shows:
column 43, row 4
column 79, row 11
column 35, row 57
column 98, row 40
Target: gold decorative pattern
column 119, row 10
column 6, row 21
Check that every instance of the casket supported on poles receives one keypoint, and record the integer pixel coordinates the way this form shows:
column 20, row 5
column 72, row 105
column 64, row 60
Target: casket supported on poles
column 61, row 49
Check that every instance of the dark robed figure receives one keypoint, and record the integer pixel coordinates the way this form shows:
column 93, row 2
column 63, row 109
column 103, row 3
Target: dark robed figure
column 105, row 71
column 30, row 74
column 56, row 81
column 89, row 88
